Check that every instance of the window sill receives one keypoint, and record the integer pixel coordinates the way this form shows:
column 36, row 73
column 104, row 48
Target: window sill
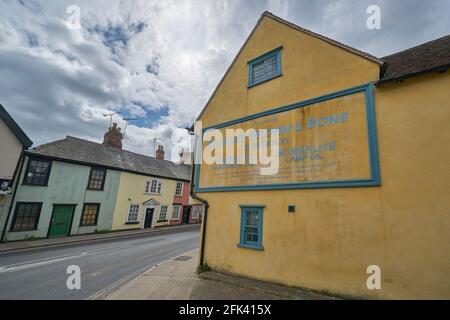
column 88, row 225
column 95, row 190
column 261, row 82
column 162, row 221
column 152, row 194
column 247, row 246
column 132, row 223
column 35, row 185
column 18, row 231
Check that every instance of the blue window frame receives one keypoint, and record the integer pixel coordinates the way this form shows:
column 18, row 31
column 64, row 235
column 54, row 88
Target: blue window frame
column 264, row 68
column 251, row 227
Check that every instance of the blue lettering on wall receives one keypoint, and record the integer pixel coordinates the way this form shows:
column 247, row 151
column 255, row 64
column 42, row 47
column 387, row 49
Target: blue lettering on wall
column 328, row 120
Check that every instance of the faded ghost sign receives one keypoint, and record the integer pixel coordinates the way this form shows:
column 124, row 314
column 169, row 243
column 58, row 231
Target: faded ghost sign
column 325, row 142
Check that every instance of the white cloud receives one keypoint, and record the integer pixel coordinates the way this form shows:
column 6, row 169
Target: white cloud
column 160, row 59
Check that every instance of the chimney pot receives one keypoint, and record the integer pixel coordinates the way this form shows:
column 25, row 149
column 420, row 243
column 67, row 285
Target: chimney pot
column 160, row 154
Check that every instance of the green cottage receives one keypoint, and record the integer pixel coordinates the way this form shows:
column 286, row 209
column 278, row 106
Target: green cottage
column 59, row 198
column 75, row 186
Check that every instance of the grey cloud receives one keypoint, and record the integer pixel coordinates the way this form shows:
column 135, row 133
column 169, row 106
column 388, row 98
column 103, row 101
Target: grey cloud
column 166, row 55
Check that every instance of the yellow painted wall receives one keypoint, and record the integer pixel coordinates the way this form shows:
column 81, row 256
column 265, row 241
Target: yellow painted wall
column 309, row 70
column 335, row 234
column 132, row 191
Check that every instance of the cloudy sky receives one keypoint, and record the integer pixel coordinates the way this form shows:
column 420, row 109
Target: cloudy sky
column 159, row 61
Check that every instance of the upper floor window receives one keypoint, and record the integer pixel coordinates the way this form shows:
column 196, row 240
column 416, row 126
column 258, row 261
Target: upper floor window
column 26, row 216
column 264, row 68
column 97, row 179
column 179, row 189
column 176, row 212
column 251, row 227
column 154, row 186
column 38, row 172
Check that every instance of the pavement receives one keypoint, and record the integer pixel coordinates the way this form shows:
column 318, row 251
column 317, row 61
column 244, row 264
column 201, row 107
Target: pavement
column 104, row 264
column 176, row 279
column 32, row 244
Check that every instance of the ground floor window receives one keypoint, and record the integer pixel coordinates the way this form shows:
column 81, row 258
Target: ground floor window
column 176, row 212
column 163, row 213
column 197, row 211
column 133, row 213
column 26, row 216
column 90, row 214
column 251, row 227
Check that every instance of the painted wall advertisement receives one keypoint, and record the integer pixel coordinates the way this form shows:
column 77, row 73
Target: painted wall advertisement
column 328, row 143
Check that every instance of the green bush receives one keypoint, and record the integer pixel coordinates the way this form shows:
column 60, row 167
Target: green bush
column 203, row 268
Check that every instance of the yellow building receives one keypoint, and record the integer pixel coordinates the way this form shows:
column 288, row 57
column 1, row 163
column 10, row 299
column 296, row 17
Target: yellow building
column 143, row 202
column 363, row 177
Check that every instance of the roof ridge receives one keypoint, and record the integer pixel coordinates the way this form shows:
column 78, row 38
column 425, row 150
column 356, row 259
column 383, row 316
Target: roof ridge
column 48, row 144
column 416, row 47
column 86, row 152
column 100, row 144
column 324, row 38
column 292, row 25
column 81, row 139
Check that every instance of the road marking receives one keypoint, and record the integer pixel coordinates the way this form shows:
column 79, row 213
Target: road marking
column 46, row 261
column 188, row 228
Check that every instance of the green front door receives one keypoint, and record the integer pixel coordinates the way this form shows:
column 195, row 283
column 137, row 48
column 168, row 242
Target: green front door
column 61, row 221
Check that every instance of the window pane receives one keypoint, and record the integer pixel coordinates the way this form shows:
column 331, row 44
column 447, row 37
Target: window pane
column 251, row 227
column 179, row 189
column 176, row 212
column 37, row 173
column 163, row 213
column 133, row 214
column 97, row 179
column 155, row 187
column 265, row 69
column 89, row 217
column 26, row 217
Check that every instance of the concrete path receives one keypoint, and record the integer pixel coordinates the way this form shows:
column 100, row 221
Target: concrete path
column 173, row 279
column 25, row 245
column 176, row 279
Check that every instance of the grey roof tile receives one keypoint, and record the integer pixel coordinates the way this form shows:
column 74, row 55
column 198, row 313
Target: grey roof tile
column 427, row 57
column 82, row 151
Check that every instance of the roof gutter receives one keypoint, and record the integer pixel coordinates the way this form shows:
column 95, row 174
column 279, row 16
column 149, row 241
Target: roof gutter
column 439, row 69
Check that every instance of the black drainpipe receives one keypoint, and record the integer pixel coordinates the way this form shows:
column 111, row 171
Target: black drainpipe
column 206, row 204
column 16, row 184
column 205, row 216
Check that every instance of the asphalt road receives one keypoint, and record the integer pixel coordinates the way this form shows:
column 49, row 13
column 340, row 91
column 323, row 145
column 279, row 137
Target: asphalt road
column 42, row 273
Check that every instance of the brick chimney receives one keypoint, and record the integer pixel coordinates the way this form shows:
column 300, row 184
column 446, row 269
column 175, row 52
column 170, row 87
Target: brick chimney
column 113, row 138
column 160, row 153
column 185, row 157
